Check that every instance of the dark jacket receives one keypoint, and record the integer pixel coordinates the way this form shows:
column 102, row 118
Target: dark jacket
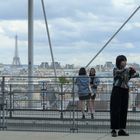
column 122, row 77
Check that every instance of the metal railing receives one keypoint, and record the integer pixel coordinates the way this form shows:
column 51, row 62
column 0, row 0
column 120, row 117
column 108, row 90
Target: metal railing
column 55, row 105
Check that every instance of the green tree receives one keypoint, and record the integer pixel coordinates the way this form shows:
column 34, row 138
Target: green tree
column 63, row 80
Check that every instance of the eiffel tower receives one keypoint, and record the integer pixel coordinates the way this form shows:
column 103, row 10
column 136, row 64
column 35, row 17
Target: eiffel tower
column 16, row 59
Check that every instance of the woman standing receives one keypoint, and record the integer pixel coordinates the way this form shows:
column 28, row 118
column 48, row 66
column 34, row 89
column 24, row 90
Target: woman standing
column 120, row 95
column 83, row 83
column 94, row 82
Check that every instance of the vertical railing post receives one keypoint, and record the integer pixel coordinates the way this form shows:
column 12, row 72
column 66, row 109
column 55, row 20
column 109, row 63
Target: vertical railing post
column 43, row 93
column 10, row 101
column 73, row 107
column 3, row 102
column 61, row 94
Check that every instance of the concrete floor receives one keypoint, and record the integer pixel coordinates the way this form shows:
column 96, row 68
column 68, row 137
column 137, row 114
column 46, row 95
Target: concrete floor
column 22, row 135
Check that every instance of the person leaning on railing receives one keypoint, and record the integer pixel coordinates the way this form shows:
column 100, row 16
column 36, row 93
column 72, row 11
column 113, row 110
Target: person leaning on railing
column 83, row 83
column 94, row 83
column 120, row 95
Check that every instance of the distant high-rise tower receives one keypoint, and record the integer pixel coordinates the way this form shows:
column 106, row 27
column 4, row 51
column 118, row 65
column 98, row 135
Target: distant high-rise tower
column 16, row 59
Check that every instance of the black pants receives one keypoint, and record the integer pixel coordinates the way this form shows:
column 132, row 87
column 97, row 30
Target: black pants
column 119, row 107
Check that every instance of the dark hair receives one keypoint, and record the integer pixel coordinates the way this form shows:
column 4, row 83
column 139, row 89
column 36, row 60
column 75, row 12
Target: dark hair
column 90, row 74
column 119, row 59
column 82, row 71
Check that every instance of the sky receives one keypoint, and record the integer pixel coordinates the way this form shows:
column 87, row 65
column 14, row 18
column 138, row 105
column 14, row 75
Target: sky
column 78, row 30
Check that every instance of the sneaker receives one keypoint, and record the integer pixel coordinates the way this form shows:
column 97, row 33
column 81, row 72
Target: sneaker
column 113, row 133
column 83, row 116
column 122, row 133
column 92, row 116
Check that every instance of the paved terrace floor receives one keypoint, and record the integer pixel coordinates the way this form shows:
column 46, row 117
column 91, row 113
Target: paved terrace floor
column 17, row 135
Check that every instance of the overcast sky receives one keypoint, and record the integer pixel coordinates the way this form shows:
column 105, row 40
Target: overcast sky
column 78, row 30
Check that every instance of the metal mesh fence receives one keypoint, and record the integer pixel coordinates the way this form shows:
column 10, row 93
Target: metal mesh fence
column 55, row 105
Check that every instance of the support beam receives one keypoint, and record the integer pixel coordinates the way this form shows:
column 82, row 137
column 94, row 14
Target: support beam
column 30, row 49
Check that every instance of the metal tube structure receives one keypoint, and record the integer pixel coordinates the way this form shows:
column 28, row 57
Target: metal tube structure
column 49, row 39
column 30, row 50
column 113, row 36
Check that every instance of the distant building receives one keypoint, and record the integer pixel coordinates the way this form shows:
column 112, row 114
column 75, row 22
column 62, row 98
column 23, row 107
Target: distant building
column 16, row 59
column 99, row 68
column 44, row 65
column 68, row 66
column 57, row 65
column 108, row 66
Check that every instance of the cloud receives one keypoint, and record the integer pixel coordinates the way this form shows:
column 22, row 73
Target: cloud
column 121, row 4
column 13, row 9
